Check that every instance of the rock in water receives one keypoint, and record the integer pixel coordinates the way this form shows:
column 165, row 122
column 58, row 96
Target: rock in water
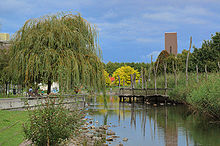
column 125, row 139
column 110, row 133
column 115, row 136
column 109, row 139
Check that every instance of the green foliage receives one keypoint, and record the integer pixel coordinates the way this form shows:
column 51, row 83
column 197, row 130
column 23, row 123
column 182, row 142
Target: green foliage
column 208, row 54
column 61, row 48
column 4, row 69
column 124, row 73
column 49, row 124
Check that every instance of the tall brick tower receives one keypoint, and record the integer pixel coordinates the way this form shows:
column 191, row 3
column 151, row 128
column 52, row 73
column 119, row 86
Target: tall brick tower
column 171, row 42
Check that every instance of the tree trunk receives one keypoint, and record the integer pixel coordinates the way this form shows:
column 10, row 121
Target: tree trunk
column 197, row 74
column 6, row 88
column 187, row 61
column 206, row 73
column 49, row 86
column 219, row 66
column 131, row 81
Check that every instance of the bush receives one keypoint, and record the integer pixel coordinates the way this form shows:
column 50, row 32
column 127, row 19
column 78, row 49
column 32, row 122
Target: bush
column 51, row 123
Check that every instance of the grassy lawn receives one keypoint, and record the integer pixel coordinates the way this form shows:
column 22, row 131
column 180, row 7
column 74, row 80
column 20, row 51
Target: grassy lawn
column 10, row 96
column 11, row 127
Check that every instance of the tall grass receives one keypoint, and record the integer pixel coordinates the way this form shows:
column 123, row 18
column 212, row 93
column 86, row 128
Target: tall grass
column 203, row 96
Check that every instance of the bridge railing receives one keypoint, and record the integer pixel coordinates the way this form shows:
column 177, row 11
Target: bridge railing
column 143, row 92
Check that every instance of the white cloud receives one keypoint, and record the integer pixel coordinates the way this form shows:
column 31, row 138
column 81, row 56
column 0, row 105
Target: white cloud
column 174, row 18
column 187, row 14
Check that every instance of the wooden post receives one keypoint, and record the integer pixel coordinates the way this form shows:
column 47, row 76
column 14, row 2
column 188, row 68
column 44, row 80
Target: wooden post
column 165, row 77
column 206, row 74
column 134, row 84
column 197, row 74
column 145, row 78
column 187, row 61
column 134, row 80
column 175, row 75
column 142, row 77
column 155, row 76
column 150, row 69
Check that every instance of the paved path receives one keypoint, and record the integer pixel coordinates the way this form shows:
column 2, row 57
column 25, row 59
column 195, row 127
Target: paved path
column 16, row 103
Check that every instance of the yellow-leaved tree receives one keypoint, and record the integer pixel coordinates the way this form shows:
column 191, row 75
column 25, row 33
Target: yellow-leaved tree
column 107, row 79
column 124, row 73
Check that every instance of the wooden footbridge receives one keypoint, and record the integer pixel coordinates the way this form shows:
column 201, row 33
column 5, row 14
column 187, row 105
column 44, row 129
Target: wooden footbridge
column 144, row 95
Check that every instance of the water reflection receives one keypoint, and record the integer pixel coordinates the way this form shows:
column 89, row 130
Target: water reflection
column 147, row 125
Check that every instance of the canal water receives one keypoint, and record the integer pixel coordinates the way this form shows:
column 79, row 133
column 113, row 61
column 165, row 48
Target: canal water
column 145, row 125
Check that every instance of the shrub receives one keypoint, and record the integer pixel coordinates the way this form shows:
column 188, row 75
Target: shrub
column 50, row 123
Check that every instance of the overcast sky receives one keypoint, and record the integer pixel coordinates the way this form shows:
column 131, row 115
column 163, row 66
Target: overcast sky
column 129, row 30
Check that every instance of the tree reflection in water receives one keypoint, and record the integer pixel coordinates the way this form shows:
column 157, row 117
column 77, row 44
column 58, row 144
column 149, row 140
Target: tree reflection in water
column 170, row 130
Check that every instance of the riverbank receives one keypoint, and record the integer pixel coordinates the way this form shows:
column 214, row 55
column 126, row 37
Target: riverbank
column 202, row 97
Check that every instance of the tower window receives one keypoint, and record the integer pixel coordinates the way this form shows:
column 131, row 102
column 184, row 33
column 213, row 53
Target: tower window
column 170, row 49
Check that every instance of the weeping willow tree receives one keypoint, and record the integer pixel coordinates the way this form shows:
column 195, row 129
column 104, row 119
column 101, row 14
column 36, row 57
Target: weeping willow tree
column 58, row 48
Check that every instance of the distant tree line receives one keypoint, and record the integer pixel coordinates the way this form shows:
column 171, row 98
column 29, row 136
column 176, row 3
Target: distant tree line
column 111, row 67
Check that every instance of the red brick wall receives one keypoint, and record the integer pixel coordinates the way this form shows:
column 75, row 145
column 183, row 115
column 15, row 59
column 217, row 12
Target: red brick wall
column 171, row 43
